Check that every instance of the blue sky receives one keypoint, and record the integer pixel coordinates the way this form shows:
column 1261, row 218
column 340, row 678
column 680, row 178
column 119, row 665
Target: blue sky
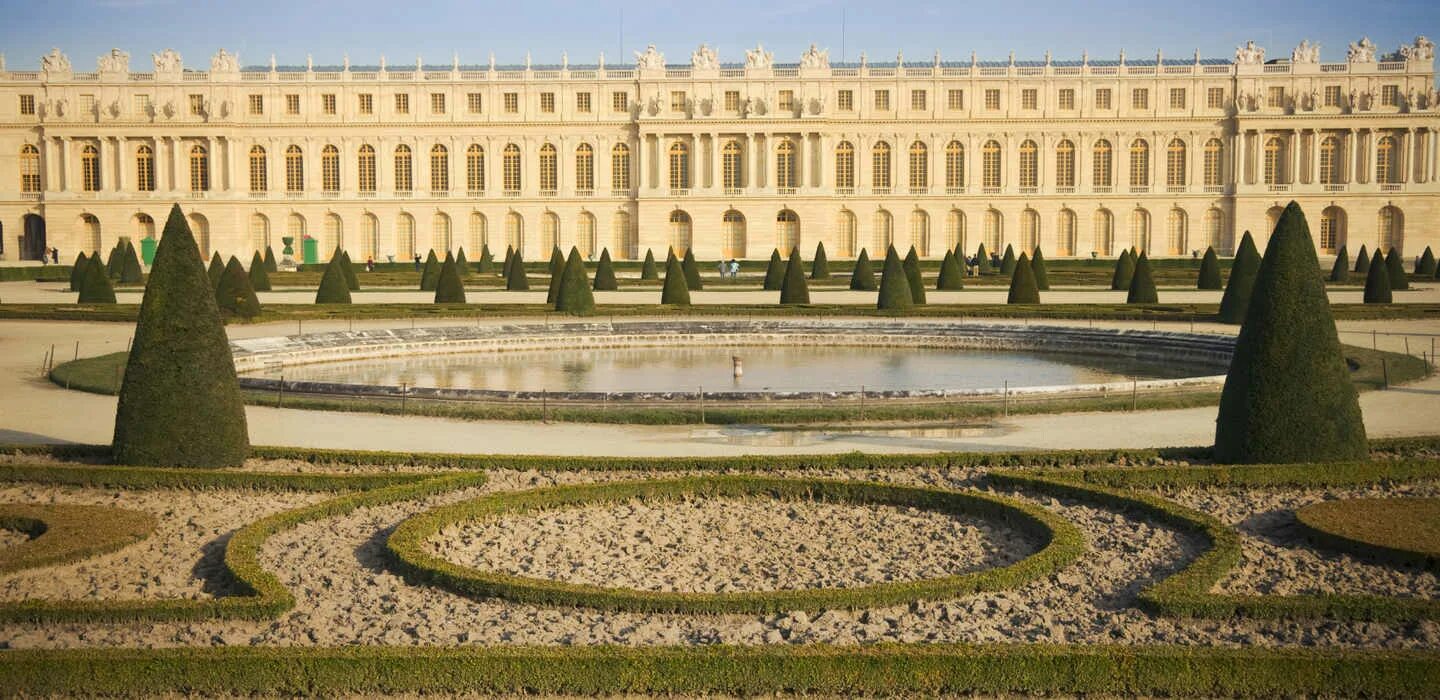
column 365, row 29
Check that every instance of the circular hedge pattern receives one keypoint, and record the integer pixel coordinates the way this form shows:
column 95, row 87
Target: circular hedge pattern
column 1399, row 530
column 1060, row 543
column 61, row 533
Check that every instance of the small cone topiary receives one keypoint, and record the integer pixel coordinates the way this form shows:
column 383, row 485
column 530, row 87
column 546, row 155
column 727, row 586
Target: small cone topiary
column 1340, row 271
column 692, row 271
column 557, row 267
column 1142, row 285
column 1242, row 280
column 112, row 261
column 462, row 265
column 216, row 269
column 130, row 271
column 509, row 256
column 862, row 278
column 234, row 296
column 912, row 275
column 675, row 292
column 982, row 261
column 774, row 272
column 430, row 274
column 1362, row 261
column 1007, row 261
column 1124, row 271
column 1288, row 396
column 515, row 280
column 820, row 266
column 605, row 274
column 270, row 264
column 449, row 288
column 1377, row 283
column 1042, row 274
column 794, row 289
column 1023, row 287
column 485, row 265
column 77, row 271
column 950, row 275
column 180, row 403
column 894, row 285
column 352, row 280
column 575, row 296
column 259, row 278
column 1426, row 264
column 1209, row 272
column 648, row 270
column 1395, row 270
column 333, row 289
column 95, row 286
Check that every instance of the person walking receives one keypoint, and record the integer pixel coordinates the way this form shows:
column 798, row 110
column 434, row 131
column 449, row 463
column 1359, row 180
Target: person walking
column 370, row 264
column 734, row 269
column 722, row 267
column 417, row 262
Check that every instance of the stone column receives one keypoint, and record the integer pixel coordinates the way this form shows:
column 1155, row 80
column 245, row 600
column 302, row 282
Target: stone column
column 65, row 166
column 119, row 163
column 1348, row 147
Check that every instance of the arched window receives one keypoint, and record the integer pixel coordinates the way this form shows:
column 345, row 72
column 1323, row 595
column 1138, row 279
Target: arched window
column 439, row 168
column 622, row 233
column 584, row 170
column 1391, row 229
column 369, row 233
column 294, row 169
column 620, row 169
column 479, row 232
column 259, row 170
column 90, row 231
column 366, row 170
column 1272, row 218
column 920, row 232
column 259, row 232
column 334, row 238
column 1332, row 229
column 1177, row 228
column 514, row 230
column 990, row 164
column 200, row 226
column 1330, row 173
column 1065, row 233
column 955, row 230
column 475, row 169
column 880, row 165
column 30, row 169
column 404, row 174
column 1175, row 164
column 884, row 235
column 510, row 169
column 919, row 167
column 845, row 166
column 845, row 233
column 549, row 169
column 994, row 230
column 405, row 236
column 330, row 170
column 1215, row 231
column 1029, row 231
column 679, row 167
column 1140, row 230
column 144, row 169
column 731, row 166
column 1274, row 161
column 1029, row 164
column 199, row 169
column 549, row 232
column 785, row 164
column 954, row 166
column 1139, row 163
column 1104, row 232
column 1102, row 167
column 680, row 233
column 90, row 168
column 440, row 234
column 787, row 231
column 295, row 227
column 1065, row 164
column 585, row 234
column 144, row 227
column 732, row 234
column 1386, row 170
column 1214, row 157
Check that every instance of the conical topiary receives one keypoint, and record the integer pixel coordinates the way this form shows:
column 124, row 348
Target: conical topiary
column 912, row 275
column 112, row 261
column 647, row 268
column 333, row 289
column 77, row 271
column 820, row 266
column 430, row 274
column 794, row 289
column 982, row 261
column 1377, row 283
column 1395, row 269
column 180, row 402
column 95, row 286
column 216, row 269
column 1124, row 271
column 575, row 296
column 1209, row 277
column 862, row 278
column 950, row 275
column 894, row 285
column 1007, row 261
column 605, row 274
column 234, row 296
column 1426, row 264
column 130, row 271
column 515, row 280
column 1236, row 299
column 692, row 272
column 1142, row 285
column 259, row 278
column 557, row 267
column 1288, row 396
column 509, row 256
column 1362, row 261
column 462, row 265
column 485, row 265
column 1042, row 274
column 270, row 264
column 675, row 291
column 1340, row 271
column 774, row 272
column 1023, row 287
column 449, row 289
column 352, row 280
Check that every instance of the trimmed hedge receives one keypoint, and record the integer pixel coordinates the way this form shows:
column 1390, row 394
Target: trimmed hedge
column 1142, row 284
column 1124, row 271
column 1209, row 277
column 1377, row 282
column 130, row 270
column 1340, row 271
column 912, row 275
column 1362, row 261
column 1425, row 266
column 270, row 264
column 820, row 266
column 95, row 285
column 430, row 274
column 346, row 266
column 894, row 285
column 259, row 278
column 862, row 277
column 77, row 271
column 774, row 272
column 1242, row 280
column 648, row 270
column 692, row 273
column 950, row 275
column 1023, row 289
column 448, row 287
column 555, row 269
column 675, row 292
column 215, row 271
column 1042, row 275
column 333, row 289
column 1007, row 261
column 515, row 279
column 64, row 533
column 605, row 274
column 234, row 295
column 574, row 295
column 982, row 261
column 130, row 477
column 1395, row 270
column 795, row 290
column 1403, row 531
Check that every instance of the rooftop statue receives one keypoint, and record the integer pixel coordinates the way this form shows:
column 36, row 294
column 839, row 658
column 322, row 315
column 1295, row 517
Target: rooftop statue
column 1422, row 50
column 1306, row 52
column 1362, row 52
column 704, row 58
column 815, row 58
column 649, row 59
column 226, row 62
column 1249, row 54
column 758, row 57
column 55, row 64
column 116, row 61
column 167, row 61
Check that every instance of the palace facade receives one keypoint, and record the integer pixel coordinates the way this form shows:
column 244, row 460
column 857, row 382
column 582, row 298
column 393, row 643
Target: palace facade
column 1077, row 157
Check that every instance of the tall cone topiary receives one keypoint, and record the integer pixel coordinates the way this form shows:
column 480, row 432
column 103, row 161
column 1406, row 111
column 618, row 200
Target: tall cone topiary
column 1426, row 264
column 648, row 270
column 130, row 271
column 982, row 261
column 515, row 280
column 1042, row 274
column 449, row 288
column 509, row 256
column 1124, row 271
column 216, row 269
column 675, row 291
column 484, row 265
column 77, row 271
column 462, row 265
column 1340, row 271
column 95, row 285
column 820, row 266
column 1377, row 282
column 352, row 280
column 894, row 285
column 557, row 267
column 180, row 402
column 1395, row 269
column 1209, row 277
column 430, row 274
column 950, row 275
column 1023, row 287
column 113, row 262
column 862, row 278
column 774, row 272
column 270, row 264
column 1288, row 396
column 1246, row 266
column 1362, row 261
column 259, row 278
column 692, row 271
column 575, row 296
column 333, row 289
column 1007, row 261
column 912, row 275
column 1142, row 285
column 794, row 290
column 234, row 296
column 605, row 273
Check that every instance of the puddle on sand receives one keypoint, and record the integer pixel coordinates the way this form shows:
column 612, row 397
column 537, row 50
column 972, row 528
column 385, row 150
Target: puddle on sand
column 928, row 436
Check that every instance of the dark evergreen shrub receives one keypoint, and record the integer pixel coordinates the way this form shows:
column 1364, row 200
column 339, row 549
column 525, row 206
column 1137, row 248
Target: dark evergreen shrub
column 912, row 276
column 462, row 265
column 820, row 267
column 605, row 273
column 1426, row 264
column 575, row 296
column 557, row 266
column 1007, row 261
column 1142, row 285
column 1362, row 261
column 950, row 275
column 794, row 289
column 1288, row 396
column 1340, row 271
column 515, row 279
column 774, row 272
column 1209, row 272
column 180, row 402
column 1042, row 275
column 675, row 291
column 1236, row 300
column 95, row 287
column 1377, row 283
column 1124, row 271
column 1395, row 270
column 234, row 296
column 485, row 265
column 130, row 271
column 352, row 280
column 333, row 289
column 648, row 271
column 430, row 274
column 270, row 264
column 894, row 285
column 862, row 278
column 449, row 288
column 217, row 268
column 982, row 261
column 509, row 256
column 692, row 272
column 112, row 260
column 259, row 278
column 77, row 271
column 1023, row 287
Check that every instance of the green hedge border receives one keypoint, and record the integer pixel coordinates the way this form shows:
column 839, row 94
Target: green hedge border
column 1061, row 542
column 1312, row 522
column 64, row 533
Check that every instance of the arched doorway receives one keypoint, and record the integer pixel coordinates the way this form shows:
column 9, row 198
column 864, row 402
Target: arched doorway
column 732, row 226
column 32, row 240
column 787, row 231
column 680, row 233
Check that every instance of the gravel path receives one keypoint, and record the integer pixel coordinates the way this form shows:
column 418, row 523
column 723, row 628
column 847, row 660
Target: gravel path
column 10, row 538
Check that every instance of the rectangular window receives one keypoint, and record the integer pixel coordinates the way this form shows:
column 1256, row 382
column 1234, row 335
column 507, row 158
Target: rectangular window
column 582, row 102
column 1066, row 98
column 367, row 104
column 87, row 104
column 1029, row 98
column 1275, row 97
column 732, row 100
column 1390, row 95
column 257, row 105
column 437, row 103
column 27, row 105
column 1332, row 95
column 845, row 100
column 547, row 102
column 474, row 102
column 1177, row 98
column 787, row 100
column 402, row 103
column 955, row 99
column 917, row 100
column 197, row 104
column 292, row 104
column 512, row 103
column 1215, row 98
column 1140, row 98
column 327, row 103
column 620, row 101
column 677, row 100
column 141, row 103
column 992, row 99
column 1102, row 98
column 882, row 100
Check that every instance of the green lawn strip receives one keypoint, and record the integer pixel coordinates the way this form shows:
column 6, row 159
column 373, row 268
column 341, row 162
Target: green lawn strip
column 1061, row 542
column 64, row 533
column 106, row 476
column 880, row 669
column 1403, row 531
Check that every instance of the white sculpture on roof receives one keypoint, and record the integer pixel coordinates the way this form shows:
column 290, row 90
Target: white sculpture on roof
column 1249, row 54
column 225, row 62
column 1422, row 50
column 704, row 58
column 1306, row 52
column 116, row 61
column 759, row 57
column 815, row 58
column 167, row 61
column 55, row 65
column 649, row 59
column 1362, row 52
